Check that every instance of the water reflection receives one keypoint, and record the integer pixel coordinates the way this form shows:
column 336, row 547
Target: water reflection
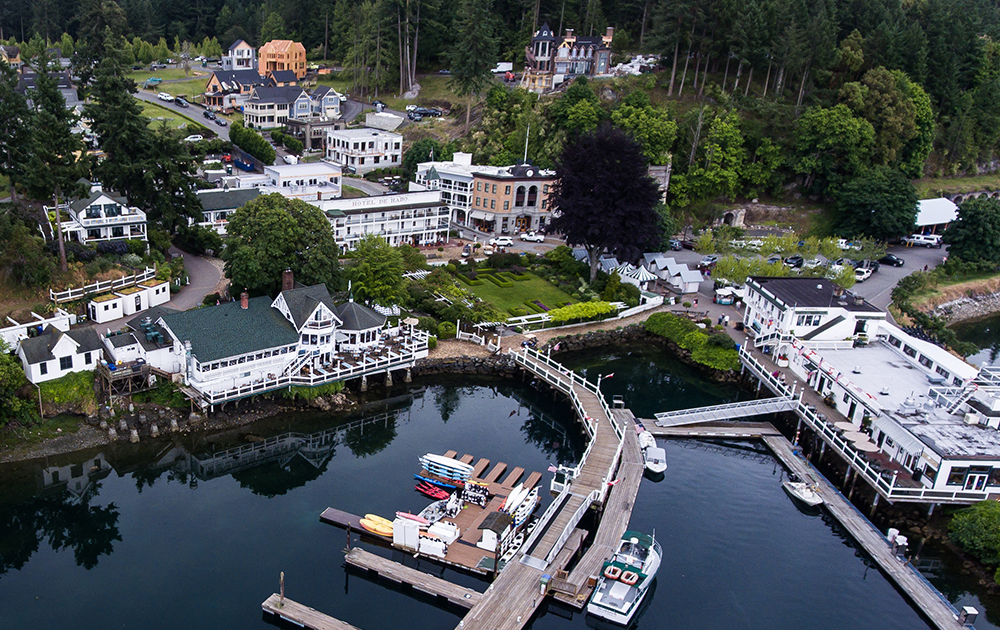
column 61, row 514
column 985, row 334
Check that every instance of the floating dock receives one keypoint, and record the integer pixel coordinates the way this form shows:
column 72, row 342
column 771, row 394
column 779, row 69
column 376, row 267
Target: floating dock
column 302, row 616
column 420, row 581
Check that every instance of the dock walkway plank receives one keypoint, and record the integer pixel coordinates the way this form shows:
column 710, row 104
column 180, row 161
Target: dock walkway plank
column 499, row 469
column 301, row 615
column 481, row 465
column 741, row 430
column 423, row 582
column 871, row 540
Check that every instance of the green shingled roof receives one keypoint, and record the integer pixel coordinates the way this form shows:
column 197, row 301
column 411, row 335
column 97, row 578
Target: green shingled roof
column 218, row 332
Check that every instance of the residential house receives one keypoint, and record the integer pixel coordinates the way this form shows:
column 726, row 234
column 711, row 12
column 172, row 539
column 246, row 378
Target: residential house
column 365, row 149
column 414, row 218
column 228, row 90
column 55, row 353
column 11, row 55
column 312, row 182
column 217, row 204
column 144, row 339
column 240, row 56
column 270, row 107
column 324, row 116
column 552, row 60
column 64, row 83
column 283, row 54
column 494, row 200
column 101, row 217
column 16, row 332
column 283, row 78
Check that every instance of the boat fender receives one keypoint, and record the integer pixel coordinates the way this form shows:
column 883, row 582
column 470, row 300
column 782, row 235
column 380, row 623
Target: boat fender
column 612, row 572
column 630, row 577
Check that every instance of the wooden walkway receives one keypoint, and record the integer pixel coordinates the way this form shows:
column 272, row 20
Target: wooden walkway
column 515, row 595
column 302, row 616
column 906, row 577
column 420, row 581
column 740, row 430
column 576, row 588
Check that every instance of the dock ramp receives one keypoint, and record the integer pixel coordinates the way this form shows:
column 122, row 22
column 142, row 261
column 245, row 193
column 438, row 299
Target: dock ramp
column 730, row 411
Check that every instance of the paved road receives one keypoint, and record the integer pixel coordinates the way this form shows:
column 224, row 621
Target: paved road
column 371, row 189
column 203, row 275
column 194, row 112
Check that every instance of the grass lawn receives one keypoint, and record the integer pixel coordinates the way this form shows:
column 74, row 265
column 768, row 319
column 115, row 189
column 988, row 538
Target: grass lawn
column 168, row 75
column 533, row 289
column 349, row 192
column 187, row 89
column 157, row 114
column 45, row 430
column 931, row 187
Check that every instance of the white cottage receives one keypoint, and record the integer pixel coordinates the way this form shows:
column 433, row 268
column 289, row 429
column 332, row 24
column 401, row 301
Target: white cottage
column 56, row 353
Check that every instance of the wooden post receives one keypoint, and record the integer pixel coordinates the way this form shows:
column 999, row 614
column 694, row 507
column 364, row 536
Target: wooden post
column 281, row 602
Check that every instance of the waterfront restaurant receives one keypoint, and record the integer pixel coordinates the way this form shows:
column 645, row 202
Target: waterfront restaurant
column 930, row 418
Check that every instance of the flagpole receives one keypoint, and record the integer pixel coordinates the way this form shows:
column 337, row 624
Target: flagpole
column 600, row 377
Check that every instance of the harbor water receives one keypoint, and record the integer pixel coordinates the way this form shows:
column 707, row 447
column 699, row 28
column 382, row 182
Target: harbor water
column 193, row 531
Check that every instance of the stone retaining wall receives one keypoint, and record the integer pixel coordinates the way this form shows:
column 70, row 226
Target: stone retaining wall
column 968, row 307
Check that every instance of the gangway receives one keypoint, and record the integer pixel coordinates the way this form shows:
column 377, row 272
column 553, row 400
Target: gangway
column 729, row 411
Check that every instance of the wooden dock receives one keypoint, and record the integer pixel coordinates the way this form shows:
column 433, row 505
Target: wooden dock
column 515, row 595
column 302, row 616
column 738, row 430
column 906, row 577
column 420, row 581
column 575, row 588
column 494, row 474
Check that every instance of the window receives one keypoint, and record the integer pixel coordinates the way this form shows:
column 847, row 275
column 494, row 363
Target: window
column 924, row 361
column 847, row 398
column 43, row 368
column 507, row 190
column 894, row 341
column 545, row 189
column 957, row 476
column 519, row 197
column 493, row 204
column 65, row 363
column 943, row 372
column 87, row 358
column 477, row 201
column 808, row 320
column 506, row 205
column 479, row 186
column 910, row 352
column 888, row 441
column 494, row 189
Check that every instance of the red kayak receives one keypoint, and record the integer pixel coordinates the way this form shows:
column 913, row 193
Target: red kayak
column 431, row 491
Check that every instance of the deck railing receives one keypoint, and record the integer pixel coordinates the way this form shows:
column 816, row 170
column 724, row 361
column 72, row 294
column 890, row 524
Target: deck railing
column 571, row 524
column 100, row 287
column 855, row 458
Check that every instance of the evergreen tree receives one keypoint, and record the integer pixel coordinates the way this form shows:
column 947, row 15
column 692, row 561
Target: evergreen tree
column 15, row 128
column 54, row 166
column 475, row 51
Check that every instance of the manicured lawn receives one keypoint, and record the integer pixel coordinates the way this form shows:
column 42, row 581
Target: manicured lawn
column 168, row 75
column 187, row 89
column 533, row 289
column 349, row 192
column 157, row 114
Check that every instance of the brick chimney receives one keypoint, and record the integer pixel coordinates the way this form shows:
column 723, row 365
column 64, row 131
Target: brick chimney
column 287, row 280
column 244, row 300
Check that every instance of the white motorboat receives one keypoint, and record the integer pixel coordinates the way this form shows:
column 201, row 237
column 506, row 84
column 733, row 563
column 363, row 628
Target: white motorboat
column 626, row 578
column 656, row 459
column 803, row 491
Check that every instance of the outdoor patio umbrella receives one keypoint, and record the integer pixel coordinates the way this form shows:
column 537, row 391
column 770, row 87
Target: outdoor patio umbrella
column 845, row 426
column 855, row 436
column 867, row 446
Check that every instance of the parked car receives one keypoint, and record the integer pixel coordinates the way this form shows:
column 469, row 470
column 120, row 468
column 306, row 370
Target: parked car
column 502, row 241
column 868, row 264
column 209, row 114
column 290, row 159
column 773, row 259
column 862, row 273
column 708, row 261
column 844, row 262
column 687, row 244
column 428, row 111
column 222, row 122
column 466, row 251
column 813, row 263
column 181, row 102
column 194, row 138
column 411, row 108
column 924, row 240
column 379, row 105
column 533, row 237
column 892, row 260
column 795, row 261
column 163, row 96
column 675, row 245
column 414, row 116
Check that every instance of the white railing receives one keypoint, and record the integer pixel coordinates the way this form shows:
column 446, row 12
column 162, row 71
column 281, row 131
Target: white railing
column 841, row 344
column 100, row 287
column 544, row 519
column 854, row 457
column 570, row 526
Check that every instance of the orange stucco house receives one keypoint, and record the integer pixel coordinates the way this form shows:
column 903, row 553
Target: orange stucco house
column 282, row 54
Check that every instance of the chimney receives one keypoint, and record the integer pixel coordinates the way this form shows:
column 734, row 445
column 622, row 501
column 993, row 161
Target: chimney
column 610, row 34
column 244, row 300
column 287, row 280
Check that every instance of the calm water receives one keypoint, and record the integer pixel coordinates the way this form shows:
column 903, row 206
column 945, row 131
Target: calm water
column 985, row 333
column 193, row 533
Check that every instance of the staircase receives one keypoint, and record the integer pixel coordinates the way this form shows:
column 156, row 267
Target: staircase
column 967, row 393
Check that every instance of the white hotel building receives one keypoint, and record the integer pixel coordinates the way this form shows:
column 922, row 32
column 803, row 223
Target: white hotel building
column 419, row 218
column 364, row 149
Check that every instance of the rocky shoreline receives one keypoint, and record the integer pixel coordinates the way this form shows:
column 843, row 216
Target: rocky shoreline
column 141, row 422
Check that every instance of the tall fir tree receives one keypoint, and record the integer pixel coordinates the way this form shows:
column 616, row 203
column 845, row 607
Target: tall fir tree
column 15, row 129
column 474, row 54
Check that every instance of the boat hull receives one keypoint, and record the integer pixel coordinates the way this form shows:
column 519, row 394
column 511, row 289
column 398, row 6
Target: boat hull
column 801, row 492
column 620, row 618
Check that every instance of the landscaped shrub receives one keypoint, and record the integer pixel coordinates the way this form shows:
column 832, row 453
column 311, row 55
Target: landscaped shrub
column 534, row 308
column 518, row 311
column 118, row 248
column 252, row 142
column 428, row 324
column 582, row 311
column 447, row 330
column 517, row 277
column 432, row 342
column 471, row 281
column 715, row 350
column 500, row 282
column 136, row 247
column 312, row 393
column 451, row 268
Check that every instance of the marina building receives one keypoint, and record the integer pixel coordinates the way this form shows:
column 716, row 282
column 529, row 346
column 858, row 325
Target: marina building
column 414, row 218
column 311, row 182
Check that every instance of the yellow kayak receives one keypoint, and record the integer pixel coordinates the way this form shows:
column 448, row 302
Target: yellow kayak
column 375, row 518
column 377, row 528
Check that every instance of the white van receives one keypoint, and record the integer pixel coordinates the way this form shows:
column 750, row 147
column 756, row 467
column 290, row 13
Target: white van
column 923, row 240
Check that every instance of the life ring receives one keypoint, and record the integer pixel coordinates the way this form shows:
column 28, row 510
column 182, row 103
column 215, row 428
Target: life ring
column 630, row 577
column 612, row 572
